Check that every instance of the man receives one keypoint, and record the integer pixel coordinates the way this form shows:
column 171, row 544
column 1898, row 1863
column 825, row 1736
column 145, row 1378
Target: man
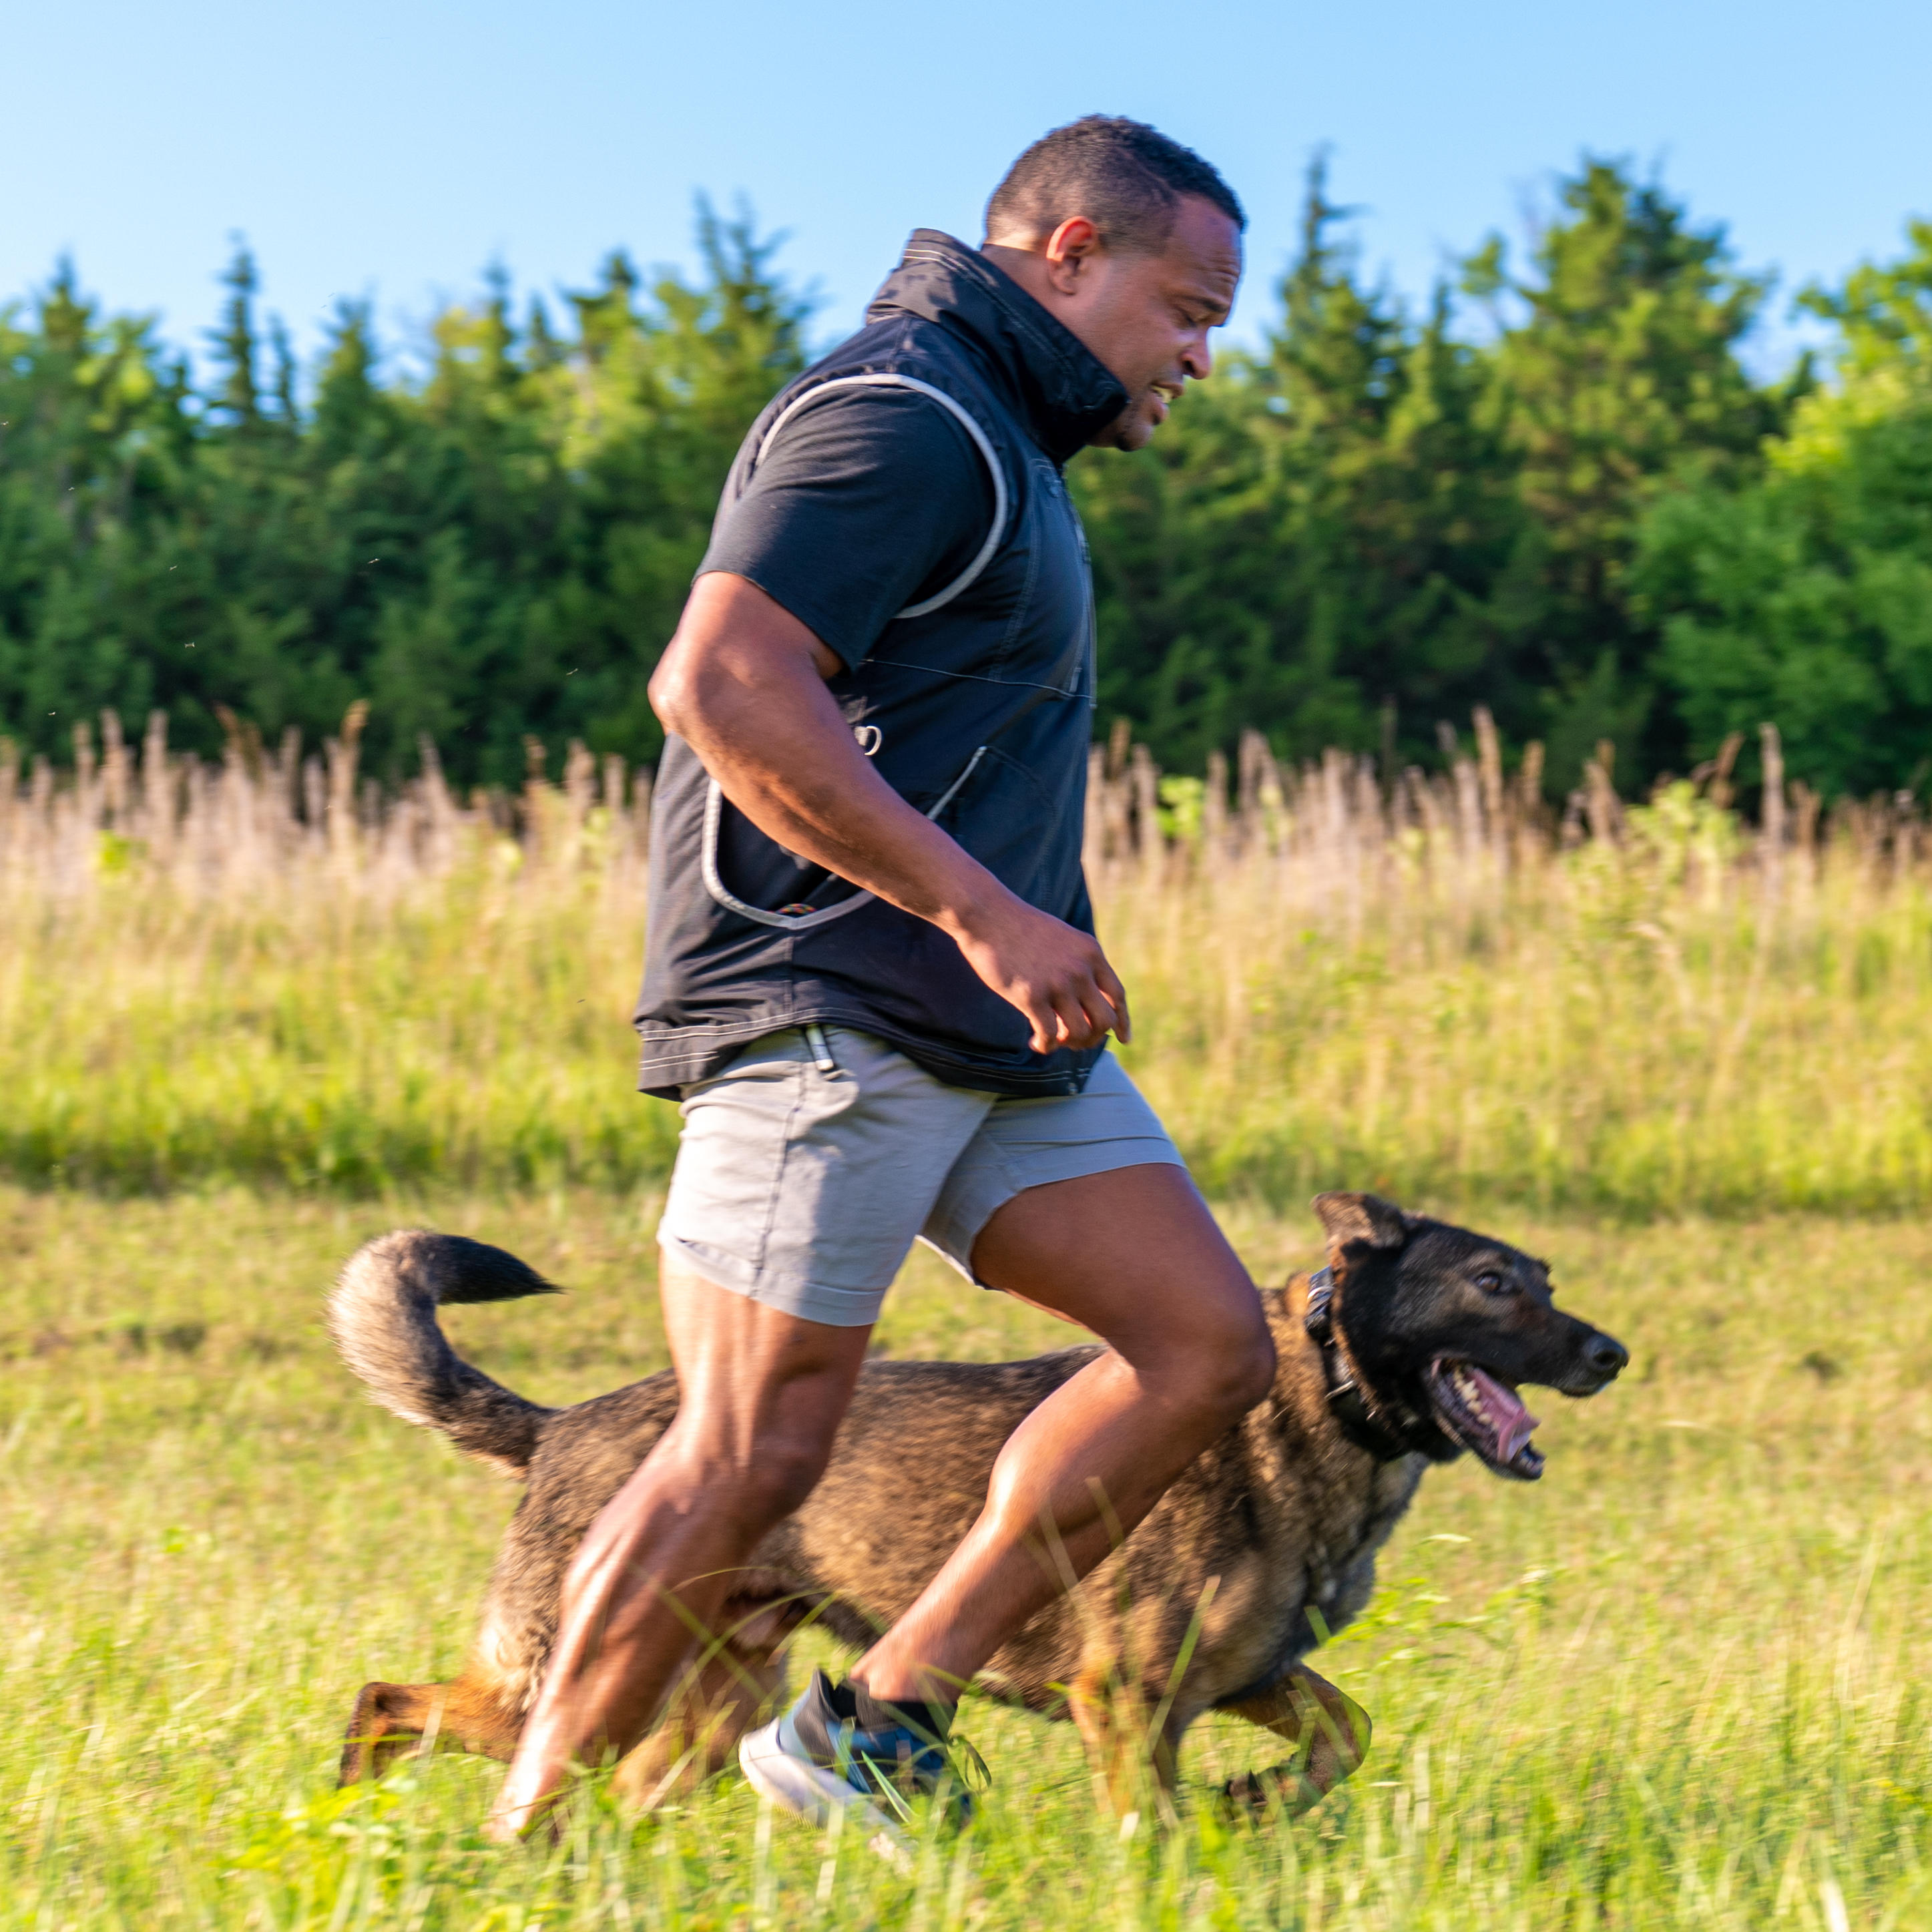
column 872, row 980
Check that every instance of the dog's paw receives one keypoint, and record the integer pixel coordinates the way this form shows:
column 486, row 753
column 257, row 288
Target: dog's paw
column 1282, row 1791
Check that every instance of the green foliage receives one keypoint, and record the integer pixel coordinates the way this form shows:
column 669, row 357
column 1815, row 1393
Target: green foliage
column 1806, row 596
column 1378, row 525
column 1313, row 535
column 1622, row 373
column 498, row 549
column 1577, row 508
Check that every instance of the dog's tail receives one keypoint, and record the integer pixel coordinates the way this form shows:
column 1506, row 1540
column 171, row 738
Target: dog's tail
column 382, row 1318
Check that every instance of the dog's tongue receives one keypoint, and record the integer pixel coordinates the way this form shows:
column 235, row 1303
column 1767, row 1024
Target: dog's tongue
column 1514, row 1423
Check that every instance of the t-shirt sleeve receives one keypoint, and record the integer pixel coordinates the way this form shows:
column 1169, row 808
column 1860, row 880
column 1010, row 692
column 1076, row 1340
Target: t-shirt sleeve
column 867, row 502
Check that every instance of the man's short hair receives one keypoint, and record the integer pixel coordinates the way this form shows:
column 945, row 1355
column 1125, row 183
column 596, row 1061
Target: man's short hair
column 1126, row 178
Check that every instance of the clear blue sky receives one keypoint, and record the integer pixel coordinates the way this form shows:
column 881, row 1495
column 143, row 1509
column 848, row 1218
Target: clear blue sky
column 393, row 149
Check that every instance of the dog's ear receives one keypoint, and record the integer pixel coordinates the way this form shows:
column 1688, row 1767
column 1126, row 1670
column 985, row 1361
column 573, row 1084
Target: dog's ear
column 1348, row 1218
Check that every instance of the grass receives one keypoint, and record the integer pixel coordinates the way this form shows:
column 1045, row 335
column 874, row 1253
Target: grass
column 1681, row 1682
column 1631, row 1027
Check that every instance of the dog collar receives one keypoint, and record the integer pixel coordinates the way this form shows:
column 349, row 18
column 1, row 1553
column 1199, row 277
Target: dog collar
column 1346, row 1402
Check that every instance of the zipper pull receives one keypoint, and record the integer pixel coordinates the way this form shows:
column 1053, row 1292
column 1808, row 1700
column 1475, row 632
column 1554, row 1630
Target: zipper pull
column 821, row 1049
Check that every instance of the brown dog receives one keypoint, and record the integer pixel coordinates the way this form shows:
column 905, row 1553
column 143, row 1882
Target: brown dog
column 1406, row 1350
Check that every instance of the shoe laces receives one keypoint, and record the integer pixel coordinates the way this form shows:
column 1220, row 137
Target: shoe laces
column 929, row 1763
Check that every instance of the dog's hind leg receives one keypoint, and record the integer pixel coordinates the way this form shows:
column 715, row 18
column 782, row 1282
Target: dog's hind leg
column 1136, row 1768
column 1330, row 1731
column 390, row 1719
column 738, row 1682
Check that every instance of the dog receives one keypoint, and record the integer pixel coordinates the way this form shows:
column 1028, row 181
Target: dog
column 1407, row 1349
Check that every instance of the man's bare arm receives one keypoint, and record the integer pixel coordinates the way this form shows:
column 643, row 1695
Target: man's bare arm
column 742, row 683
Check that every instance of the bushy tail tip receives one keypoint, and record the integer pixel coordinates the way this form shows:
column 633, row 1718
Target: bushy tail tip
column 381, row 1316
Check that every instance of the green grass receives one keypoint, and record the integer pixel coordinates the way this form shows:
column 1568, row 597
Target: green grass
column 1680, row 1682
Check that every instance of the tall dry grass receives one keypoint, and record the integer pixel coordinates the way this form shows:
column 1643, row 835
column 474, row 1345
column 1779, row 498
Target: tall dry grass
column 273, row 969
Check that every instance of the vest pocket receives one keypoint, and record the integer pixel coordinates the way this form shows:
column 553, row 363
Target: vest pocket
column 797, row 918
column 1007, row 820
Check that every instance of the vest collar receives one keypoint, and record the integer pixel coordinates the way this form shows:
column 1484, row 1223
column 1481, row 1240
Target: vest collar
column 1063, row 391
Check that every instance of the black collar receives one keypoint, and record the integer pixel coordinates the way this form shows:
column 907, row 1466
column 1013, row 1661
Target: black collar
column 1350, row 1407
column 1063, row 390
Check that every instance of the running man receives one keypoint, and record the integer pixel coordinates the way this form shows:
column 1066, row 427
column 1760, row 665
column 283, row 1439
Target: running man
column 872, row 980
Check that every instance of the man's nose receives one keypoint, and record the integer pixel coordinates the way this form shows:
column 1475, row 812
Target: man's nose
column 1199, row 359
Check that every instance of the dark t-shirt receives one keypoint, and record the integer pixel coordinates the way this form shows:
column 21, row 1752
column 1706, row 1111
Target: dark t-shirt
column 867, row 500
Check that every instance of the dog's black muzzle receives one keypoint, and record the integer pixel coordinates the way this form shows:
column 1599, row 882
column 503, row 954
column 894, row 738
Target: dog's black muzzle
column 1596, row 1364
column 1473, row 1394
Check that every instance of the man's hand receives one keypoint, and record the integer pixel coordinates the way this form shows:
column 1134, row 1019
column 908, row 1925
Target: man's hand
column 1057, row 976
column 743, row 684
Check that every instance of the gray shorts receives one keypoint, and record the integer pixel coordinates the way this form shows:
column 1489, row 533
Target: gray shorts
column 808, row 1168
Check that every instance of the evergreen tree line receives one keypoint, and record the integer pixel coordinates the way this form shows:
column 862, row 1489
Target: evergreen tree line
column 1557, row 491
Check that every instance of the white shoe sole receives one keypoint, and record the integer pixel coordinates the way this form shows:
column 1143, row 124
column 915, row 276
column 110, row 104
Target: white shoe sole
column 796, row 1785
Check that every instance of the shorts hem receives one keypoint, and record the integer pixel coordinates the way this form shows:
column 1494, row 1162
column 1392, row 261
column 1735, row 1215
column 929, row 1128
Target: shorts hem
column 807, row 1300
column 998, row 1183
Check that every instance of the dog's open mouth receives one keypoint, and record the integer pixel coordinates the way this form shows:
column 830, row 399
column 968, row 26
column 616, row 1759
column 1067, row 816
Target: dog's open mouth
column 1487, row 1416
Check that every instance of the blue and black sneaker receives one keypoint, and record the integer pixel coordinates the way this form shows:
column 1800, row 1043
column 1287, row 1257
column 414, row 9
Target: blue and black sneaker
column 840, row 1750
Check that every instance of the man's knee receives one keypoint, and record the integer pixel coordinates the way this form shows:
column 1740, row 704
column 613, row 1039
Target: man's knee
column 1211, row 1349
column 786, row 1471
column 1230, row 1359
column 759, row 1482
column 1245, row 1373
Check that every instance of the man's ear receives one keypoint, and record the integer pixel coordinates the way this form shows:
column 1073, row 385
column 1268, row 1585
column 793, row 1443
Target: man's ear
column 1361, row 1217
column 1070, row 251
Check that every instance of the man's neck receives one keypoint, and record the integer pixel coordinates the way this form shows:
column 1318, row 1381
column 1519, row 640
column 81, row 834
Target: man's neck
column 1026, row 266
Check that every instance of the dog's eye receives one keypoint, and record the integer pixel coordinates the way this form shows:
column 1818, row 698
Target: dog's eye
column 1490, row 1282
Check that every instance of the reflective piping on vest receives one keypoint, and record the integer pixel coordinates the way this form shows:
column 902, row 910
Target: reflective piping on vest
column 794, row 922
column 886, row 379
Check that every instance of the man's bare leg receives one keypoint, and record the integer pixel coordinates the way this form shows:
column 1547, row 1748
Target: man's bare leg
column 760, row 1396
column 1135, row 1256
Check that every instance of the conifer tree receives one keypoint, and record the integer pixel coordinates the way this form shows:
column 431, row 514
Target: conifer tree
column 237, row 394
column 1310, row 544
column 1620, row 371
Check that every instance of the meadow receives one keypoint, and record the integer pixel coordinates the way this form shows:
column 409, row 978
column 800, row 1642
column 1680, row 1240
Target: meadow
column 251, row 1015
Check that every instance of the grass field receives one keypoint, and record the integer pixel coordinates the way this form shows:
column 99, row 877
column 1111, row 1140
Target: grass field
column 1679, row 1683
column 1624, row 1028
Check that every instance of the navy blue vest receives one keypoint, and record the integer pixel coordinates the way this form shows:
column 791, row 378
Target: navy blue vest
column 975, row 704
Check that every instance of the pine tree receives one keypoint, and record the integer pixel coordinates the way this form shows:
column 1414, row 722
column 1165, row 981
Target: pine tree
column 238, row 395
column 1310, row 544
column 1621, row 373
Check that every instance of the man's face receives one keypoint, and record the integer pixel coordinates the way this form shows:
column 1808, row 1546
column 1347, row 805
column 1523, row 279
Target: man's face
column 1147, row 317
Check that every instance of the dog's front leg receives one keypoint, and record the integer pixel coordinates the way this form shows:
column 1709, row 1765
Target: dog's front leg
column 1330, row 1733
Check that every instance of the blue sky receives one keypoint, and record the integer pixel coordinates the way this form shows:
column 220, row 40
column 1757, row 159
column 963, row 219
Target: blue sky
column 392, row 150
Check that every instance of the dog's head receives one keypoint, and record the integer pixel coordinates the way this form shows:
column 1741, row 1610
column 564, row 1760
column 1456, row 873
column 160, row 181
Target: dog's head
column 1441, row 1326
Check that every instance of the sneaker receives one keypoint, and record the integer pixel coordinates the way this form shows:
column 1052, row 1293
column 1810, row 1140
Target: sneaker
column 838, row 1749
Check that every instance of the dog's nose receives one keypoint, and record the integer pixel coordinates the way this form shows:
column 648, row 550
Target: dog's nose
column 1606, row 1355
